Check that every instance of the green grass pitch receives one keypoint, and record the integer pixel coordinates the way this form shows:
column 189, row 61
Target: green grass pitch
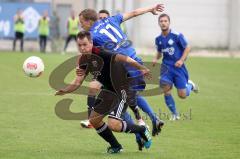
column 30, row 129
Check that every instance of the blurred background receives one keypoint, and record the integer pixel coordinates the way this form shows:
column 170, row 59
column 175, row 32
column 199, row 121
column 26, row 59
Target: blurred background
column 211, row 25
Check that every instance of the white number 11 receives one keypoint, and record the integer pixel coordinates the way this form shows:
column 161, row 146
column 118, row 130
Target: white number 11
column 106, row 32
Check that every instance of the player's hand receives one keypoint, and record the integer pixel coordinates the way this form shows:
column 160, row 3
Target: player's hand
column 60, row 92
column 146, row 73
column 80, row 72
column 157, row 8
column 179, row 63
column 154, row 62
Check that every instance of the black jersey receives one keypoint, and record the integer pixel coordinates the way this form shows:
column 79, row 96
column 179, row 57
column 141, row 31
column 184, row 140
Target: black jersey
column 102, row 66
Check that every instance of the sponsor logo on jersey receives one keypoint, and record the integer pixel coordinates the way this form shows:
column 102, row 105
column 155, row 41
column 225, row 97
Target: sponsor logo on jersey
column 169, row 50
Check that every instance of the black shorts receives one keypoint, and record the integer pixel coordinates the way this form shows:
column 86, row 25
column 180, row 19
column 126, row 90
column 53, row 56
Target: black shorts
column 114, row 102
column 19, row 35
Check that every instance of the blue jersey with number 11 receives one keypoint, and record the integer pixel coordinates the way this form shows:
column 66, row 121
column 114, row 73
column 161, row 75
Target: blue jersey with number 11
column 108, row 30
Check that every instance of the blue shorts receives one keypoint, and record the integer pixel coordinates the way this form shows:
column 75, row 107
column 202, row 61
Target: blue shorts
column 176, row 76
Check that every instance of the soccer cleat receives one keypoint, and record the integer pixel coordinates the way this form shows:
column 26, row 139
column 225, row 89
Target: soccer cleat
column 195, row 87
column 140, row 143
column 86, row 124
column 147, row 138
column 175, row 117
column 157, row 127
column 113, row 150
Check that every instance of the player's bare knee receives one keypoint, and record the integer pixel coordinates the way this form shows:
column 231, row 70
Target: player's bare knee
column 95, row 120
column 94, row 87
column 167, row 93
column 182, row 95
column 92, row 91
column 114, row 125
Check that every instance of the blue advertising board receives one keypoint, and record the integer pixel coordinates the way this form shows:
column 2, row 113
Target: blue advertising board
column 32, row 12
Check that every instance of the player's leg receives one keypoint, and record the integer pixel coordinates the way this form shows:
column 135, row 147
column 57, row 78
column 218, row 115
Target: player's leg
column 170, row 102
column 166, row 82
column 41, row 43
column 104, row 103
column 44, row 43
column 14, row 41
column 94, row 87
column 138, row 84
column 183, row 85
column 156, row 123
column 127, row 117
column 115, row 122
column 118, row 125
column 75, row 38
column 104, row 131
column 68, row 39
column 21, row 41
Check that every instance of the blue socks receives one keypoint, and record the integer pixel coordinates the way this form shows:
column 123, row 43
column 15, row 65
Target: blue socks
column 142, row 103
column 170, row 104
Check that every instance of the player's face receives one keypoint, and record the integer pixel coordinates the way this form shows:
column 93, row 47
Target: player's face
column 164, row 23
column 85, row 24
column 102, row 15
column 84, row 45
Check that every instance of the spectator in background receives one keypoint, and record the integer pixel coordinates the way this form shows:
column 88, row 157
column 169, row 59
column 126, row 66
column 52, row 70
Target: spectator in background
column 72, row 28
column 55, row 32
column 19, row 29
column 43, row 30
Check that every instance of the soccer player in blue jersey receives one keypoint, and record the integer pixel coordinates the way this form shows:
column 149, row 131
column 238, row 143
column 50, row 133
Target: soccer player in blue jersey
column 108, row 31
column 174, row 48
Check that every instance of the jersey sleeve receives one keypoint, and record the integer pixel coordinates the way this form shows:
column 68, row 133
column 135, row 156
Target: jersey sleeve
column 158, row 46
column 182, row 41
column 117, row 18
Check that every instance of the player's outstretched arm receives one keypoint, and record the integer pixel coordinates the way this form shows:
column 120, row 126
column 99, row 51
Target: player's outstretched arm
column 153, row 9
column 75, row 84
column 145, row 71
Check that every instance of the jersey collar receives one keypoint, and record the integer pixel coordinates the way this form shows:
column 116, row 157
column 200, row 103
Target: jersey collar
column 170, row 31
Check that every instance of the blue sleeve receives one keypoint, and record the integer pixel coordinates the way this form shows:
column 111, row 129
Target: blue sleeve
column 158, row 45
column 182, row 41
column 117, row 18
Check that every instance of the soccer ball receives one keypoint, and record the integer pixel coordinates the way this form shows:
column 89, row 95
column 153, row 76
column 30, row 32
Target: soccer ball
column 33, row 66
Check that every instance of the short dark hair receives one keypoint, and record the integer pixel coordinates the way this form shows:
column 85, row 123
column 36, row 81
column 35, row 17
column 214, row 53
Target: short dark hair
column 89, row 14
column 104, row 11
column 164, row 15
column 83, row 34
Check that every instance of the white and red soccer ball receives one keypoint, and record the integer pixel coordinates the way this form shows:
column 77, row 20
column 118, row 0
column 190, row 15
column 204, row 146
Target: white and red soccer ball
column 33, row 66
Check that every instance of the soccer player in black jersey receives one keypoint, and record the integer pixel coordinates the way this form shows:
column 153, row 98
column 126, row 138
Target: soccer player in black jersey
column 116, row 94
